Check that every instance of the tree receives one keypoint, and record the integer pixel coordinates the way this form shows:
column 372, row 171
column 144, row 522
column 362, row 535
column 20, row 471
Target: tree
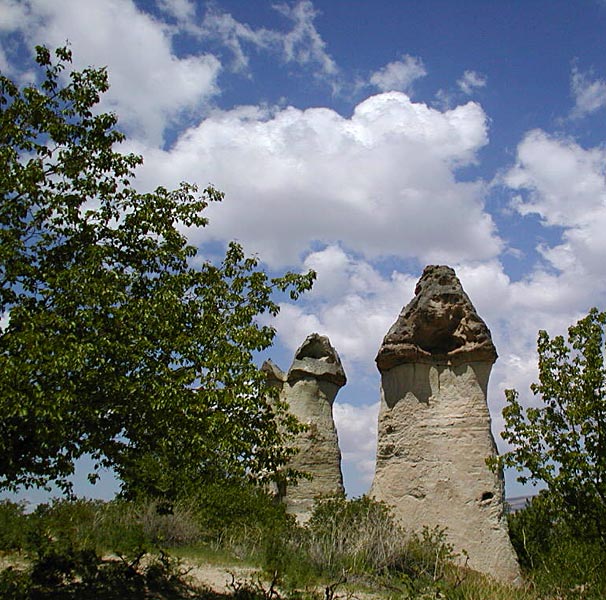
column 562, row 442
column 120, row 342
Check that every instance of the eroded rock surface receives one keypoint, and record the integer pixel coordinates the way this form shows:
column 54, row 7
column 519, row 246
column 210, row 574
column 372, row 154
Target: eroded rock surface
column 434, row 425
column 310, row 388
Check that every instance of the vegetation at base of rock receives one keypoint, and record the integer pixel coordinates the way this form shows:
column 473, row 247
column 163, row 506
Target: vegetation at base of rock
column 120, row 342
column 557, row 561
column 76, row 549
column 561, row 442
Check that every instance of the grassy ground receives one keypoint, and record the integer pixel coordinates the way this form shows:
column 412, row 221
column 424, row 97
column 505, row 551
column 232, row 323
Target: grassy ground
column 246, row 548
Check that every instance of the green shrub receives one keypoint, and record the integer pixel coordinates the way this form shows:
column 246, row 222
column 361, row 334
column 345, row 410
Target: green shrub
column 12, row 525
column 358, row 540
column 65, row 524
column 427, row 555
column 223, row 505
column 572, row 568
column 238, row 517
column 358, row 535
column 557, row 558
column 72, row 575
column 15, row 584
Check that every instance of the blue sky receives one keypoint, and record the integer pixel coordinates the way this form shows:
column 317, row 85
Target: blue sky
column 366, row 140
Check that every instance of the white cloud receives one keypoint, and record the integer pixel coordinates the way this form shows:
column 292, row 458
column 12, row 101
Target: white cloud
column 302, row 44
column 471, row 81
column 589, row 95
column 233, row 35
column 182, row 10
column 13, row 14
column 565, row 185
column 357, row 429
column 351, row 303
column 399, row 75
column 151, row 86
column 381, row 182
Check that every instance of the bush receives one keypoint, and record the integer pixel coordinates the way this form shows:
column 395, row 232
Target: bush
column 558, row 561
column 74, row 575
column 14, row 585
column 12, row 525
column 238, row 516
column 131, row 527
column 359, row 535
column 64, row 524
column 358, row 540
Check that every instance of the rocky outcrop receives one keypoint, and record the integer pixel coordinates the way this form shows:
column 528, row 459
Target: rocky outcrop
column 434, row 425
column 309, row 388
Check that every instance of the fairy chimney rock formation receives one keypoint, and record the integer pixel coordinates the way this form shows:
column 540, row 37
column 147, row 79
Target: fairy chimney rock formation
column 434, row 425
column 309, row 388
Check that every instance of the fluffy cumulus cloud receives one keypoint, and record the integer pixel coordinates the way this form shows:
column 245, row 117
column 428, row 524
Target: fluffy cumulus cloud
column 357, row 429
column 351, row 303
column 399, row 75
column 565, row 185
column 381, row 182
column 151, row 86
column 589, row 94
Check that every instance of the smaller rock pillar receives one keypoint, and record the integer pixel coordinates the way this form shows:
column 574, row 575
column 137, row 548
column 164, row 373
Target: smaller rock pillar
column 309, row 388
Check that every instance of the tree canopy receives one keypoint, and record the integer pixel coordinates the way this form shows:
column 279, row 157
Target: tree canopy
column 562, row 440
column 118, row 341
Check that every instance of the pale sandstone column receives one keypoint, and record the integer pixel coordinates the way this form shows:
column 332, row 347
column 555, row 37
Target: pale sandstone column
column 434, row 425
column 309, row 388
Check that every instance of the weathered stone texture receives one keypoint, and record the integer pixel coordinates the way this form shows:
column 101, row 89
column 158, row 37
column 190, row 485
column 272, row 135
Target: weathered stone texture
column 434, row 425
column 309, row 388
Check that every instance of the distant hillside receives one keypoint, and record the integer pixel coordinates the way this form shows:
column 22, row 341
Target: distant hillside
column 517, row 502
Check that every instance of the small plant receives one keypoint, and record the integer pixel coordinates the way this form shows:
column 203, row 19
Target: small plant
column 254, row 589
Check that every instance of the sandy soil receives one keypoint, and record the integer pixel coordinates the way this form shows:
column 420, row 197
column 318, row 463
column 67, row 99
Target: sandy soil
column 219, row 578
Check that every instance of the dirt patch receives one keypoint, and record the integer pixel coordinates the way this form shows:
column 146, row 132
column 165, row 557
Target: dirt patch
column 220, row 579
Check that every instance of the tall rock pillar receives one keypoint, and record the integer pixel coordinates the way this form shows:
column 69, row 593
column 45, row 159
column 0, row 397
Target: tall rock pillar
column 434, row 425
column 309, row 388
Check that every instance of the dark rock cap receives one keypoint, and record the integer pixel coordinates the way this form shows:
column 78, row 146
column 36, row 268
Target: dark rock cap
column 318, row 359
column 439, row 325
